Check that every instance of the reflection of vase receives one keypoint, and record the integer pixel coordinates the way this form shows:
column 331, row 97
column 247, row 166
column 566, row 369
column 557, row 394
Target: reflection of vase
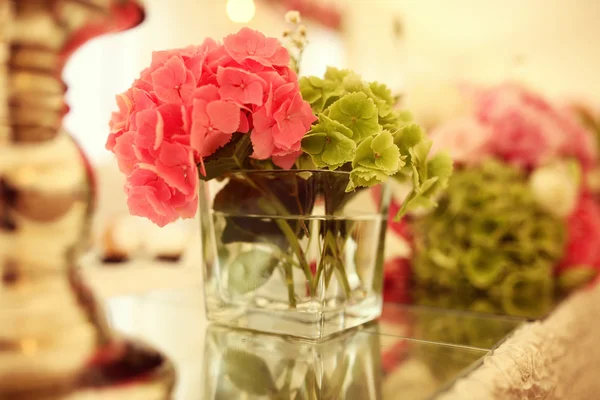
column 291, row 252
column 241, row 364
column 53, row 339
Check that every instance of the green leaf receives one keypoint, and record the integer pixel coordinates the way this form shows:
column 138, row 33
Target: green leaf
column 249, row 373
column 228, row 158
column 250, row 270
column 357, row 112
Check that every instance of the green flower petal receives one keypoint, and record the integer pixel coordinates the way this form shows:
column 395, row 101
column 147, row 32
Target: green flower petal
column 527, row 294
column 357, row 112
column 313, row 143
column 339, row 150
column 382, row 92
column 365, row 177
column 382, row 141
column 364, row 152
column 408, row 137
column 329, row 144
column 336, row 74
column 389, row 159
column 483, row 268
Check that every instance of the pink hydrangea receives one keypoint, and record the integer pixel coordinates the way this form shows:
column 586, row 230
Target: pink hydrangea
column 188, row 103
column 528, row 131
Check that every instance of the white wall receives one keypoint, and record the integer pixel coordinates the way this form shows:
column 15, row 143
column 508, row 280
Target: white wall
column 551, row 44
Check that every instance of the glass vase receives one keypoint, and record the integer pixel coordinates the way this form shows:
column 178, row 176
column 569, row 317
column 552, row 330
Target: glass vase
column 246, row 365
column 291, row 252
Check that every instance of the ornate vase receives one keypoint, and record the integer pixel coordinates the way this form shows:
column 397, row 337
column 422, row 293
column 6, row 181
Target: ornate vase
column 54, row 342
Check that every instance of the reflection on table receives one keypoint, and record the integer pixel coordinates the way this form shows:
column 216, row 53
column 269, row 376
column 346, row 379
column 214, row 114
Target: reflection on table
column 397, row 357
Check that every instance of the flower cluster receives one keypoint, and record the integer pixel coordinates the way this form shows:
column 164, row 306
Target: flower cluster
column 189, row 103
column 516, row 125
column 517, row 223
column 358, row 125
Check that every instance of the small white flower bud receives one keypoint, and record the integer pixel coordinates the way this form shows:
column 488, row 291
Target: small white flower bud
column 293, row 17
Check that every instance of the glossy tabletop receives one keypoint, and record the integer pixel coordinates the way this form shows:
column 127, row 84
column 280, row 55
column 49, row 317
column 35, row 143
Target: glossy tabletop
column 412, row 352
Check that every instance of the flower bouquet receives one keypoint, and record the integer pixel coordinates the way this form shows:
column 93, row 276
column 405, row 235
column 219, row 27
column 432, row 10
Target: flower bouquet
column 277, row 165
column 517, row 225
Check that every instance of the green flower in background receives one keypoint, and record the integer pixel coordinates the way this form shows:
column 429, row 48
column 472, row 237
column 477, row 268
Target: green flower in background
column 489, row 239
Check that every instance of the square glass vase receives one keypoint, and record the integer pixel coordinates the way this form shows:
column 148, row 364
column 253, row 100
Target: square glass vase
column 240, row 364
column 291, row 252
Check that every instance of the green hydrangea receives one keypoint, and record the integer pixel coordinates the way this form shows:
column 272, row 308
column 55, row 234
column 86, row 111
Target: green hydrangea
column 359, row 129
column 489, row 238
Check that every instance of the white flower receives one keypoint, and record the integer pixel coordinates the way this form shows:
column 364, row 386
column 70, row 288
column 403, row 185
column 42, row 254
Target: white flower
column 555, row 187
column 293, row 17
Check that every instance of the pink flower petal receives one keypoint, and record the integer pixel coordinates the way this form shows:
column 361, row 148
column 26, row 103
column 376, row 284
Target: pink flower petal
column 224, row 116
column 252, row 45
column 244, row 123
column 123, row 149
column 207, row 93
column 146, row 122
column 262, row 143
column 240, row 86
column 173, row 165
column 213, row 141
column 287, row 161
column 173, row 83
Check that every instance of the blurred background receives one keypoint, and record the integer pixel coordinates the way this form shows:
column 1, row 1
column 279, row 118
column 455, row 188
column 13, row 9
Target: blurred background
column 419, row 48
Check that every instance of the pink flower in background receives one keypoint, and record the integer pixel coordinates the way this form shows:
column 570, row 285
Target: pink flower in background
column 466, row 139
column 528, row 131
column 189, row 103
column 583, row 232
column 579, row 142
